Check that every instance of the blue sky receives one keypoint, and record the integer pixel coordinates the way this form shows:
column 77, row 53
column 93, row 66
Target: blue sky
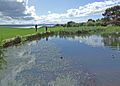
column 52, row 11
column 43, row 6
column 57, row 6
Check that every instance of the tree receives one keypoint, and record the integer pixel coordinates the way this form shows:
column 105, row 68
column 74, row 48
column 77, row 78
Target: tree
column 112, row 15
column 91, row 20
column 90, row 23
column 82, row 24
column 70, row 24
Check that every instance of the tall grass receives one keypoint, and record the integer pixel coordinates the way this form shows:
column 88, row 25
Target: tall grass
column 103, row 29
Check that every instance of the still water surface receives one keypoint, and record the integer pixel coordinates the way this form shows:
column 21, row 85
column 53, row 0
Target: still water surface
column 91, row 60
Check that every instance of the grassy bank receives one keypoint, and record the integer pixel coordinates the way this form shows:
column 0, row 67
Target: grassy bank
column 94, row 29
column 6, row 33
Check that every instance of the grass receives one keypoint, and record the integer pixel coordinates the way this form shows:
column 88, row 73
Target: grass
column 111, row 29
column 95, row 29
column 6, row 33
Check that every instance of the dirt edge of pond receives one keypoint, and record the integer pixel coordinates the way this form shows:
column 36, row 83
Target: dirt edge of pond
column 20, row 39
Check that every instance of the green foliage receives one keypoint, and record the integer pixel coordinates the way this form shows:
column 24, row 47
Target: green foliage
column 112, row 15
column 90, row 23
column 95, row 29
column 71, row 24
column 91, row 20
column 82, row 24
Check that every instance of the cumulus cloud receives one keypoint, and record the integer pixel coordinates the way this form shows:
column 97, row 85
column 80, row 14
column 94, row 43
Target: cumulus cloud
column 16, row 10
column 93, row 40
column 92, row 8
column 49, row 12
column 80, row 12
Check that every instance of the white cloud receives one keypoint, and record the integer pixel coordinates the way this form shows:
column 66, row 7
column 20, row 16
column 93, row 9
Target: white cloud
column 82, row 11
column 93, row 40
column 18, row 10
column 49, row 12
column 12, row 10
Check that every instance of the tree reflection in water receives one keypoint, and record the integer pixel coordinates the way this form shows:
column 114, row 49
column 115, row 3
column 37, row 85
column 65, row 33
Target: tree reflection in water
column 108, row 40
column 113, row 41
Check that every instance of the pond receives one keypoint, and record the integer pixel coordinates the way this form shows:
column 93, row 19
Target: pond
column 86, row 60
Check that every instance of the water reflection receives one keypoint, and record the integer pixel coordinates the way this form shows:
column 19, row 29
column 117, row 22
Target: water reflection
column 92, row 50
column 112, row 41
column 38, row 63
column 59, row 61
column 47, row 38
column 95, row 40
column 2, row 59
column 89, row 40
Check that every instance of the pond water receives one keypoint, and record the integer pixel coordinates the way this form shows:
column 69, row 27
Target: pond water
column 91, row 60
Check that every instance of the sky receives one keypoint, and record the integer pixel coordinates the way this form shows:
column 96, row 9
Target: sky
column 52, row 11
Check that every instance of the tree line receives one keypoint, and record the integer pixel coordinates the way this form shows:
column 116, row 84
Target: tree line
column 111, row 16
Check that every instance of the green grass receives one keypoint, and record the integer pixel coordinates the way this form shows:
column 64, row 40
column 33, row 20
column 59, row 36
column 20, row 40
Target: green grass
column 99, row 29
column 111, row 29
column 6, row 33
